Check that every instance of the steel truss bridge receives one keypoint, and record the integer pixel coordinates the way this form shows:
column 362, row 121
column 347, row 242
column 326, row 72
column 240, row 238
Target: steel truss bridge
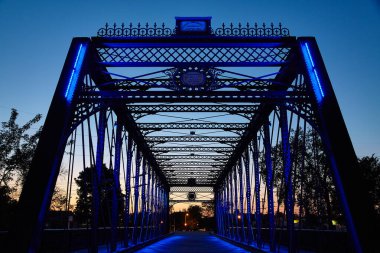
column 224, row 113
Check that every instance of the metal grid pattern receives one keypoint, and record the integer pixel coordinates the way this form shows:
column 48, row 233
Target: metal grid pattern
column 217, row 56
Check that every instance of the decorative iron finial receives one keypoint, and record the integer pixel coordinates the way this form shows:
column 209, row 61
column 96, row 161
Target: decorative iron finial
column 162, row 31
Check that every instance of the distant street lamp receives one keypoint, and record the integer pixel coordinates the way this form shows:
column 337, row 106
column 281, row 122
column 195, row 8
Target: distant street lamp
column 185, row 219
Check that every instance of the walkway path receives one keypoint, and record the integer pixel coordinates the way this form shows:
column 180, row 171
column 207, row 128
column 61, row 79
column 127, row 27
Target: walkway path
column 191, row 242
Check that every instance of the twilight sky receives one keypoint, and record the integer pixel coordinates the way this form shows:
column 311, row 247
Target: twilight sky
column 35, row 36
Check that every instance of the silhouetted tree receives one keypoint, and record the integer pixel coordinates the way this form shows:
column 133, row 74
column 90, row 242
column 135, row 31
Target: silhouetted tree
column 58, row 201
column 208, row 209
column 195, row 216
column 17, row 146
column 83, row 209
column 370, row 167
column 313, row 188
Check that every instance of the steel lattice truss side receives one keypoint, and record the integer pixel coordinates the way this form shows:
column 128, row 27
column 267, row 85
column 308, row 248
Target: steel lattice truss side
column 155, row 115
column 168, row 55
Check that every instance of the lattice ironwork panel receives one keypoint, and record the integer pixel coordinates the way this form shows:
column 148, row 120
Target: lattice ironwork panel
column 200, row 181
column 192, row 108
column 196, row 175
column 82, row 112
column 205, row 96
column 183, row 197
column 191, row 163
column 192, row 149
column 191, row 189
column 216, row 55
column 305, row 110
column 191, row 157
column 159, row 126
column 143, row 84
column 195, row 169
column 162, row 139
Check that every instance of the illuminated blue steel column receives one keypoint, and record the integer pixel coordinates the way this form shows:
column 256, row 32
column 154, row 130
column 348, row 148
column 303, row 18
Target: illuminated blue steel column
column 156, row 215
column 248, row 196
column 225, row 221
column 268, row 164
column 255, row 156
column 231, row 207
column 29, row 218
column 97, row 179
column 151, row 206
column 235, row 201
column 166, row 211
column 240, row 170
column 355, row 201
column 289, row 206
column 116, row 187
column 143, row 200
column 216, row 213
column 136, row 193
column 226, row 209
column 159, row 210
column 146, row 233
column 128, row 189
column 152, row 201
column 163, row 210
column 223, row 210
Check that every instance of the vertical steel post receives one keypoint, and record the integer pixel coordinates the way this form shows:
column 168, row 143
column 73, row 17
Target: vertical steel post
column 159, row 208
column 231, row 207
column 155, row 224
column 226, row 224
column 288, row 177
column 255, row 156
column 227, row 207
column 143, row 200
column 148, row 205
column 97, row 182
column 128, row 189
column 162, row 216
column 248, row 196
column 136, row 192
column 217, row 211
column 235, row 200
column 268, row 164
column 116, row 187
column 152, row 199
column 240, row 170
column 166, row 211
column 222, row 210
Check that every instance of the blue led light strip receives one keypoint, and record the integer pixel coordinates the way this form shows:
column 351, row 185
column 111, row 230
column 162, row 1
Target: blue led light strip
column 75, row 73
column 313, row 72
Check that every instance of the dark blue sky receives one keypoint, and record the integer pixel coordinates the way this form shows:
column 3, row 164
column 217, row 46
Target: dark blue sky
column 35, row 36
